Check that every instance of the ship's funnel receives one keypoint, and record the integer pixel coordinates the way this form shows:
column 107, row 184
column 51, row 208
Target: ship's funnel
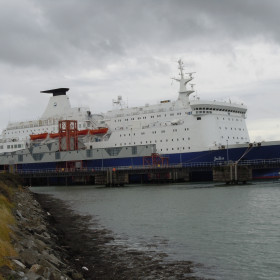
column 57, row 91
column 58, row 105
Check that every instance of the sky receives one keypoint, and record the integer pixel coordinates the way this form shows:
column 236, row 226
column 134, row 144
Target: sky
column 103, row 49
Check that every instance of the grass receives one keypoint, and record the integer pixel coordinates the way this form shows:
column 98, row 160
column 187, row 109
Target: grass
column 8, row 184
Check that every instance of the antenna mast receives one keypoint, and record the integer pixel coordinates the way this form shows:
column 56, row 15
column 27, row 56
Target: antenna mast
column 182, row 80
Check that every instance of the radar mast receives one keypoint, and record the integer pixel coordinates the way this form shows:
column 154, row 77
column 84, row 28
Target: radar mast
column 184, row 93
column 182, row 80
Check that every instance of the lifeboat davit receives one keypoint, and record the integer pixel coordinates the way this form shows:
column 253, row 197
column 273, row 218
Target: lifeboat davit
column 100, row 130
column 38, row 136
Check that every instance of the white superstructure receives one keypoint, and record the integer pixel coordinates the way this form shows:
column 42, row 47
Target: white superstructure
column 17, row 134
column 179, row 126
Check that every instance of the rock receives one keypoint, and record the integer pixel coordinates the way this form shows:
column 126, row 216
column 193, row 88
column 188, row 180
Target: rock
column 29, row 257
column 28, row 243
column 54, row 260
column 19, row 215
column 55, row 275
column 33, row 276
column 40, row 245
column 21, row 273
column 35, row 268
column 43, row 237
column 46, row 263
column 47, row 272
column 41, row 229
column 41, row 270
column 19, row 264
column 76, row 275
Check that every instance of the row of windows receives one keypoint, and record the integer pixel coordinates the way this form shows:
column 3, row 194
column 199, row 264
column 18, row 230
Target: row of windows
column 216, row 109
column 230, row 119
column 232, row 128
column 151, row 142
column 153, row 132
column 151, row 117
column 235, row 137
column 12, row 146
column 52, row 129
column 166, row 150
column 173, row 149
column 203, row 112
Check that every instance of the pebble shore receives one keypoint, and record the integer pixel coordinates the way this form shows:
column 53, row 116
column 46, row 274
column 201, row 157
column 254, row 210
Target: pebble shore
column 55, row 243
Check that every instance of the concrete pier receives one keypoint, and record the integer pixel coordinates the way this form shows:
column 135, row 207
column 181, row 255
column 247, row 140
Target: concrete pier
column 232, row 174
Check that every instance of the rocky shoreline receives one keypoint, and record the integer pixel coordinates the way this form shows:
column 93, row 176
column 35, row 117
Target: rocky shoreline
column 53, row 242
column 39, row 254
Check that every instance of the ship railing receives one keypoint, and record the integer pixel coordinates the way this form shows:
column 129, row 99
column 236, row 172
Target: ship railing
column 259, row 161
column 255, row 162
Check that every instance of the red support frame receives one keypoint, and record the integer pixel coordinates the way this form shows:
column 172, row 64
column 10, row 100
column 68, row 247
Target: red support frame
column 69, row 130
column 155, row 160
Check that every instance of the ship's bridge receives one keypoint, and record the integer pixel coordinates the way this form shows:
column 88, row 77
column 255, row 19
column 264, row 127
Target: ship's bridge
column 198, row 106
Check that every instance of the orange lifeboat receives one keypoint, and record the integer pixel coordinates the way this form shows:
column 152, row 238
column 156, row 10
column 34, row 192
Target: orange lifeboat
column 55, row 135
column 100, row 130
column 38, row 136
column 82, row 132
column 63, row 134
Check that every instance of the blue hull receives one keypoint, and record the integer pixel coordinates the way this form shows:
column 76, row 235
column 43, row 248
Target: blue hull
column 211, row 156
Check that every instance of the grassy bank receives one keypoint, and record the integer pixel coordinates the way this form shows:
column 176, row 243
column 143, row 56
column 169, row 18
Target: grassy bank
column 8, row 185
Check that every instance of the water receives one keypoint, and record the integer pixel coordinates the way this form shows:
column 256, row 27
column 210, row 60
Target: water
column 233, row 231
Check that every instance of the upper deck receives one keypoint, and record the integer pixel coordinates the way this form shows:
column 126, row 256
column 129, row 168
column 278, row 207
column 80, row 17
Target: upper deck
column 203, row 106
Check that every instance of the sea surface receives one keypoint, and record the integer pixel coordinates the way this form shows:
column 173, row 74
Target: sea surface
column 232, row 231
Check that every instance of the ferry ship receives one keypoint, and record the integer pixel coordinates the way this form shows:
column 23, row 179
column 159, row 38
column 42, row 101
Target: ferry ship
column 186, row 130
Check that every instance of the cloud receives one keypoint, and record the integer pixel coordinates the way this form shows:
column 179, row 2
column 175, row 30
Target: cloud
column 48, row 33
column 101, row 50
